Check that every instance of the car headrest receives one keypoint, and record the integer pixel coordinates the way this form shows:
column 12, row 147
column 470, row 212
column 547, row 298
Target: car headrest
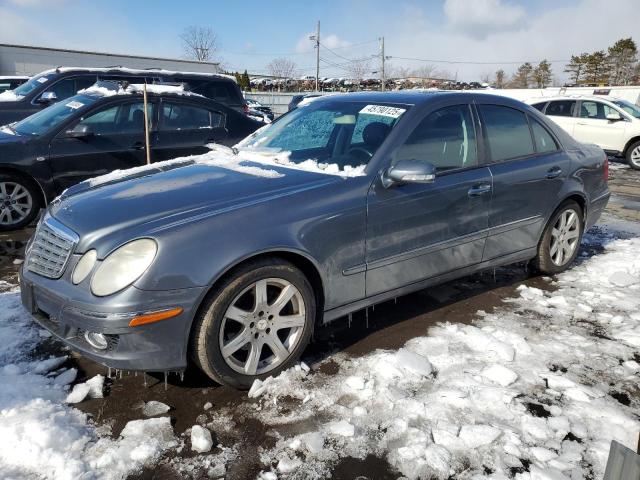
column 375, row 133
column 138, row 117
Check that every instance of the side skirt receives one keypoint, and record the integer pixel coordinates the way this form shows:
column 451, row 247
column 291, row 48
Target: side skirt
column 338, row 312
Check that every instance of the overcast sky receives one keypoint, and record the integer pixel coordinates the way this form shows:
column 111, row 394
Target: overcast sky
column 493, row 33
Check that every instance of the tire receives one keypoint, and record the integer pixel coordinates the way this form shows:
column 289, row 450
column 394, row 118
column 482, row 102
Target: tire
column 549, row 260
column 225, row 349
column 633, row 155
column 19, row 201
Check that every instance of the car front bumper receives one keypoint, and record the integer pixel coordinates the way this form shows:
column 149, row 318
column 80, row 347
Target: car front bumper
column 159, row 346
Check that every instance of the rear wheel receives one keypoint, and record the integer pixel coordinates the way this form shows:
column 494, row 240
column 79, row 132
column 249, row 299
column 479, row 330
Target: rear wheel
column 255, row 325
column 19, row 201
column 560, row 241
column 633, row 156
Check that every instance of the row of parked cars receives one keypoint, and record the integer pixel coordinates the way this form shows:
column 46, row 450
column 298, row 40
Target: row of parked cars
column 69, row 124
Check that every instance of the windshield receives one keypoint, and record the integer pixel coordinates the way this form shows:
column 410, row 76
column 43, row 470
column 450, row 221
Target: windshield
column 52, row 116
column 628, row 107
column 28, row 87
column 342, row 135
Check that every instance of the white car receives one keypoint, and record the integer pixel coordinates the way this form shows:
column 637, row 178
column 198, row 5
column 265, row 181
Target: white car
column 612, row 124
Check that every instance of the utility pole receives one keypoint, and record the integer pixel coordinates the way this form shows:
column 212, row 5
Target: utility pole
column 383, row 59
column 318, row 57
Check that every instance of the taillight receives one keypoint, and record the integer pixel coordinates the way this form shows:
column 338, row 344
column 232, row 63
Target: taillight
column 605, row 170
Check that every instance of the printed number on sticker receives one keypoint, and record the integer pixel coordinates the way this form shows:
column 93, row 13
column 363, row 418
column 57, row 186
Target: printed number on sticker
column 383, row 110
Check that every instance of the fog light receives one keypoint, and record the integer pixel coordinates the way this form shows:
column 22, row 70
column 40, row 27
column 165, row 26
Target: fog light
column 96, row 340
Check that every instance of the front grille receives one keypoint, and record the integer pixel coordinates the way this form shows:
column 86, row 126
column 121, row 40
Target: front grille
column 51, row 248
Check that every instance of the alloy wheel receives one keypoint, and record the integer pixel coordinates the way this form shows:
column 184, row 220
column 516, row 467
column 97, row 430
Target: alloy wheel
column 635, row 156
column 262, row 326
column 564, row 237
column 16, row 203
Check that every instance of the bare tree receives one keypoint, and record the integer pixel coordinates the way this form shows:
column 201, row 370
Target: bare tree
column 281, row 67
column 199, row 42
column 425, row 73
column 359, row 68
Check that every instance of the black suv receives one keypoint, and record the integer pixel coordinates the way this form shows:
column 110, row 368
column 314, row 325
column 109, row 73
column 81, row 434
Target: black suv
column 100, row 130
column 53, row 86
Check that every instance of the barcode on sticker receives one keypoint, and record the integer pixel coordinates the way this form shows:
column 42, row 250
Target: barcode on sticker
column 75, row 105
column 383, row 110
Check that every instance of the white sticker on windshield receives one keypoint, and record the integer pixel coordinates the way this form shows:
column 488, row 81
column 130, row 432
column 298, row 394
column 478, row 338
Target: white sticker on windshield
column 383, row 110
column 74, row 104
column 43, row 79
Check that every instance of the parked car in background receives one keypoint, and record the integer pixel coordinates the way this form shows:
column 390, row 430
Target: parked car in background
column 99, row 130
column 257, row 106
column 353, row 200
column 53, row 86
column 296, row 99
column 613, row 124
column 11, row 81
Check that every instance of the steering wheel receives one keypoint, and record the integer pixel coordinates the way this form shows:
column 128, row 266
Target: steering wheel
column 360, row 152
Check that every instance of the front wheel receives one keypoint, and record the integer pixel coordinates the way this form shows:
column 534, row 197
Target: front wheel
column 560, row 240
column 256, row 324
column 19, row 202
column 633, row 156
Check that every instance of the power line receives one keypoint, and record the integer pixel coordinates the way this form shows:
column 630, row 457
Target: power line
column 465, row 62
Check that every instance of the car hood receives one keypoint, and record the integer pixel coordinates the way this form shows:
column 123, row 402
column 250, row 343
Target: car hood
column 173, row 193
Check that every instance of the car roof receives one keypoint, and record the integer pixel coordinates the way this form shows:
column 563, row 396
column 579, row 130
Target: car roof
column 418, row 97
column 573, row 97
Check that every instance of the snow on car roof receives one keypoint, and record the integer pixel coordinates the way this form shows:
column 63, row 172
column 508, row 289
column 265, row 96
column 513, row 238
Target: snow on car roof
column 101, row 90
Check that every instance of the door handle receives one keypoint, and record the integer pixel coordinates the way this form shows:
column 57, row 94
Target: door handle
column 138, row 146
column 479, row 189
column 553, row 172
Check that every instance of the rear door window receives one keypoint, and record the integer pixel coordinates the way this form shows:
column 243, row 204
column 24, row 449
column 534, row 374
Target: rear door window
column 177, row 116
column 223, row 92
column 507, row 131
column 561, row 108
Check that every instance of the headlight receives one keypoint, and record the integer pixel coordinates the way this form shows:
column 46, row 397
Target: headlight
column 84, row 266
column 123, row 267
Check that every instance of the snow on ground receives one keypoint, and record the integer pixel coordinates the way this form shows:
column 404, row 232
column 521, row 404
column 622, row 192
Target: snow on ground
column 43, row 437
column 535, row 390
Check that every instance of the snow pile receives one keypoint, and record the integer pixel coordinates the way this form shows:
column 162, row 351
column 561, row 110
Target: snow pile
column 101, row 91
column 153, row 408
column 10, row 96
column 42, row 437
column 536, row 390
column 201, row 440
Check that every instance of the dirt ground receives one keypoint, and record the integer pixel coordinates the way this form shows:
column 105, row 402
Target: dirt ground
column 388, row 325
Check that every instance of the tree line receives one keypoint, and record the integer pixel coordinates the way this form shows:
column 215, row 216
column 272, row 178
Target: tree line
column 618, row 65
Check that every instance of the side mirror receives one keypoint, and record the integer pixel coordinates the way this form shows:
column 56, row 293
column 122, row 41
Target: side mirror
column 81, row 131
column 48, row 98
column 614, row 117
column 408, row 171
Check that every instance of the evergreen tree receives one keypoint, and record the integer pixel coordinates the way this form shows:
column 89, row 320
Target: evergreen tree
column 576, row 67
column 246, row 81
column 596, row 69
column 542, row 74
column 622, row 58
column 522, row 77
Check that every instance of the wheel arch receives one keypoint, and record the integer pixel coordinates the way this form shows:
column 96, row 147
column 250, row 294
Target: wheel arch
column 577, row 197
column 307, row 265
column 629, row 143
column 42, row 197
